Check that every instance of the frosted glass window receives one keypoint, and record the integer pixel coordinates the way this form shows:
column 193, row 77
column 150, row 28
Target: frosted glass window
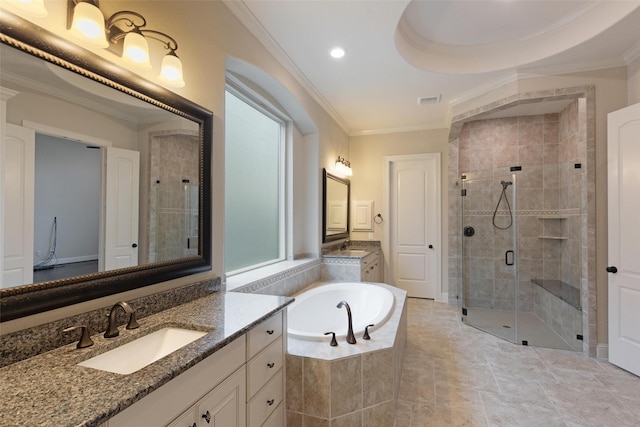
column 254, row 226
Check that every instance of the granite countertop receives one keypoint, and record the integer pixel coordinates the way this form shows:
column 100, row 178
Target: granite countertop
column 51, row 390
column 350, row 252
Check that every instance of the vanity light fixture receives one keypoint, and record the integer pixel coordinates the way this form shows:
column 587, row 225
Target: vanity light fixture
column 32, row 7
column 343, row 166
column 125, row 34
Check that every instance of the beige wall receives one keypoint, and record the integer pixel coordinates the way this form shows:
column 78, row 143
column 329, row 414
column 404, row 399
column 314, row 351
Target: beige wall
column 633, row 72
column 366, row 154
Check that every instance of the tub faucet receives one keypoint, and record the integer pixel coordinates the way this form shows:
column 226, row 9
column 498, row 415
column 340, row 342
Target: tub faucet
column 351, row 339
column 112, row 328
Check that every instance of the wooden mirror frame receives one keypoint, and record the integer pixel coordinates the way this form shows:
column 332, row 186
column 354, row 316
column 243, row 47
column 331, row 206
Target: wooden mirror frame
column 30, row 299
column 337, row 236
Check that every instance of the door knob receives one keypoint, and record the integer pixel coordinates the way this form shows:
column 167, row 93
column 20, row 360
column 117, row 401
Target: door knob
column 612, row 269
column 430, row 246
column 135, row 245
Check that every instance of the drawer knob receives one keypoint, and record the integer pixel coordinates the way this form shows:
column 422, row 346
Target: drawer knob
column 270, row 331
column 207, row 417
column 270, row 402
column 270, row 365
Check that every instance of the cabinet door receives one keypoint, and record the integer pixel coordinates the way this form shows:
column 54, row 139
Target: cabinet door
column 224, row 406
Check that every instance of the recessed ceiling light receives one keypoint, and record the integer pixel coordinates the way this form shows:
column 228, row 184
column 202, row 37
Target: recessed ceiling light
column 338, row 52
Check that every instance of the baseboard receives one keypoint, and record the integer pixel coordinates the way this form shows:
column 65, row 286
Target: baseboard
column 72, row 260
column 602, row 351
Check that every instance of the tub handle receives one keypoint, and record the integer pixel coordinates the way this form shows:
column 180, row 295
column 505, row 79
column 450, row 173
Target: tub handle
column 366, row 332
column 334, row 342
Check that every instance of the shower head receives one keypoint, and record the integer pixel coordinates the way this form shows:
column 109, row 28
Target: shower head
column 505, row 184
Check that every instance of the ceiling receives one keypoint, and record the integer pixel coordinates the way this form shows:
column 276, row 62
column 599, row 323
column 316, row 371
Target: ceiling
column 401, row 50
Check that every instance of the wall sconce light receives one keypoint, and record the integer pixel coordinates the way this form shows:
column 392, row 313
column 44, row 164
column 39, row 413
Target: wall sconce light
column 32, row 7
column 124, row 33
column 343, row 166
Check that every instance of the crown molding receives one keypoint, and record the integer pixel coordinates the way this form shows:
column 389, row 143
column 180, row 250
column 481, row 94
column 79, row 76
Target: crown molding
column 579, row 67
column 632, row 53
column 483, row 89
column 248, row 19
column 443, row 125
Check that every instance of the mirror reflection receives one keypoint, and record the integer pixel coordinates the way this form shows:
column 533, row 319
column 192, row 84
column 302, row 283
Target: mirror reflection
column 95, row 180
column 335, row 207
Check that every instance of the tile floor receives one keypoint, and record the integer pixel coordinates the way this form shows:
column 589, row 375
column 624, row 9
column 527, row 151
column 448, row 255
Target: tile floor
column 456, row 375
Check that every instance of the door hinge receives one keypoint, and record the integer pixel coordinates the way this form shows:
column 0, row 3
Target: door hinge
column 579, row 337
column 464, row 311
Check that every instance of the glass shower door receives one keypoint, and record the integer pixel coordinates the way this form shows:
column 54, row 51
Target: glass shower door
column 489, row 275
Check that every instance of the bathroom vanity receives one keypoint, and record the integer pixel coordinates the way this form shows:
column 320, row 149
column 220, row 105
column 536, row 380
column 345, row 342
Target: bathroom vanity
column 355, row 263
column 232, row 376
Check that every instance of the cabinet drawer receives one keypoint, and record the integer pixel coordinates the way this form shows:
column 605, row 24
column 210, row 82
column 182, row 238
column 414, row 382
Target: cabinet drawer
column 266, row 401
column 276, row 419
column 264, row 334
column 264, row 366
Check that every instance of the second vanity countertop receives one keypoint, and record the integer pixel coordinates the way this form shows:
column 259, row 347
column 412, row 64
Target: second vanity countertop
column 52, row 390
column 351, row 252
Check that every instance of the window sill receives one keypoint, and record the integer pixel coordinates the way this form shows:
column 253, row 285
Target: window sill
column 244, row 280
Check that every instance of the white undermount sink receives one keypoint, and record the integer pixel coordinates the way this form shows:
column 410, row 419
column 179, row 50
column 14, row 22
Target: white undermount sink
column 354, row 252
column 137, row 354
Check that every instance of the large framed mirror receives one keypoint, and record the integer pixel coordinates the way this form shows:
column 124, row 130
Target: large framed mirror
column 137, row 227
column 335, row 207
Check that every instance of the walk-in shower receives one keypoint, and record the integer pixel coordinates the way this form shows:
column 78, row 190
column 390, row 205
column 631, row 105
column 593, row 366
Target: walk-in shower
column 521, row 231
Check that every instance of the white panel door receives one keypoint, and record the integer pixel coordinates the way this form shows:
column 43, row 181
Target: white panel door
column 121, row 208
column 414, row 230
column 624, row 237
column 18, row 169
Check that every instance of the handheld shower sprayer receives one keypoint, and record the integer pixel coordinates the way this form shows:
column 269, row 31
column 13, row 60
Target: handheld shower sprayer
column 503, row 194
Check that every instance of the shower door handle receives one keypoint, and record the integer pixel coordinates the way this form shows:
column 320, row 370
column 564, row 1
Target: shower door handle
column 509, row 257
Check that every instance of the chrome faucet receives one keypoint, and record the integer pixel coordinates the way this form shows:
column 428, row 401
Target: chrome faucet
column 345, row 244
column 351, row 339
column 112, row 328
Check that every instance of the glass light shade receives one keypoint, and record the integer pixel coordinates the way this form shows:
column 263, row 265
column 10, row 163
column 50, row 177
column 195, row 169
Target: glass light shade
column 32, row 7
column 88, row 25
column 171, row 72
column 343, row 169
column 136, row 51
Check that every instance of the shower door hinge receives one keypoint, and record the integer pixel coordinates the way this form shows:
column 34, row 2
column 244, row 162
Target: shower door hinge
column 464, row 311
column 515, row 168
column 463, row 192
column 579, row 337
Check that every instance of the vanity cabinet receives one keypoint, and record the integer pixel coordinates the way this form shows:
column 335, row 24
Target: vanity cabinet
column 221, row 407
column 265, row 370
column 371, row 267
column 240, row 385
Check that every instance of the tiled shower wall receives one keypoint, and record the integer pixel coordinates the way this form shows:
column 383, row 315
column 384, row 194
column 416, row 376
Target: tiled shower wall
column 173, row 195
column 547, row 147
